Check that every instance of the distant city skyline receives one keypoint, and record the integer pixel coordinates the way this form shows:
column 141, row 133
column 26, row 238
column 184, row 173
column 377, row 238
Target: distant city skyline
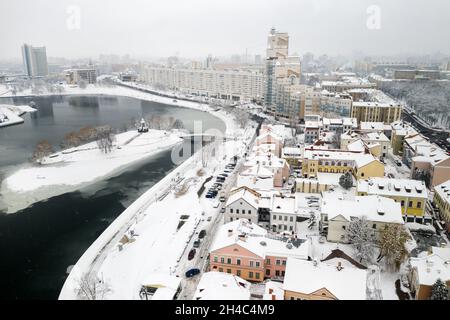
column 197, row 28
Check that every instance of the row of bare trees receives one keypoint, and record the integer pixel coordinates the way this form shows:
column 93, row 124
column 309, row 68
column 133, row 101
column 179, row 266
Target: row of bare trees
column 163, row 123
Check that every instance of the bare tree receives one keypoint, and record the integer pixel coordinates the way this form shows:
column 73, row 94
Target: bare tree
column 105, row 139
column 43, row 149
column 363, row 239
column 90, row 287
column 392, row 245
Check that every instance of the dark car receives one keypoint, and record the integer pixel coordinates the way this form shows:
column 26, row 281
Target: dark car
column 191, row 254
column 192, row 272
column 209, row 195
column 202, row 234
column 196, row 243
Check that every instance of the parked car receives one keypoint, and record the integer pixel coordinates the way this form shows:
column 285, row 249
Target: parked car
column 202, row 234
column 209, row 195
column 398, row 163
column 222, row 210
column 209, row 218
column 223, row 175
column 191, row 254
column 222, row 199
column 192, row 272
column 196, row 243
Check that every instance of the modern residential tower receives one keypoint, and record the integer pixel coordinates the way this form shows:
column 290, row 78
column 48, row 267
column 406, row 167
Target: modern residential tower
column 34, row 61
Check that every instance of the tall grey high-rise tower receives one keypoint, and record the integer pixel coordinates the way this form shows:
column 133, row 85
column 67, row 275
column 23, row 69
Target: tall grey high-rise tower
column 34, row 61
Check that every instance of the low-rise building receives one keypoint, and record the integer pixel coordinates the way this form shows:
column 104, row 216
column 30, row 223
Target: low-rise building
column 442, row 201
column 322, row 182
column 424, row 272
column 293, row 156
column 74, row 76
column 243, row 203
column 411, row 194
column 244, row 249
column 279, row 167
column 222, row 286
column 336, row 214
column 314, row 280
column 376, row 112
column 400, row 131
column 427, row 161
column 362, row 165
column 283, row 213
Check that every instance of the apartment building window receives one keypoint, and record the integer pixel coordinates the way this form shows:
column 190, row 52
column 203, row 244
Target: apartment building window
column 278, row 262
column 231, row 210
column 250, row 274
column 374, row 226
column 282, row 273
column 216, row 259
column 237, row 210
column 238, row 262
column 410, row 204
column 257, row 275
column 277, row 273
column 274, row 217
column 229, row 260
column 291, row 219
column 285, row 218
column 267, row 261
column 220, row 269
column 222, row 260
column 419, row 205
column 251, row 263
column 402, row 203
column 228, row 270
column 238, row 273
column 284, row 262
column 257, row 264
column 267, row 272
column 249, row 211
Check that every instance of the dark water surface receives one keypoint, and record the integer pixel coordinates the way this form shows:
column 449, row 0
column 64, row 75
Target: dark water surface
column 37, row 244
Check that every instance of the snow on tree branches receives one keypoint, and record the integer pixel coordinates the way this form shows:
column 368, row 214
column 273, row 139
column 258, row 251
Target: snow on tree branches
column 392, row 245
column 363, row 239
column 43, row 149
column 90, row 287
column 346, row 180
column 105, row 139
column 439, row 291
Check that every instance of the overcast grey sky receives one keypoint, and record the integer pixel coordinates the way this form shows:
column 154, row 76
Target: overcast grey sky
column 194, row 28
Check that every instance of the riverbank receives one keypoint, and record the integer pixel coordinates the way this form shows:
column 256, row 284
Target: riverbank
column 78, row 167
column 11, row 115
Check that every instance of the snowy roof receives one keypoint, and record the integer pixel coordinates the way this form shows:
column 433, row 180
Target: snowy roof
column 272, row 134
column 427, row 151
column 255, row 239
column 360, row 159
column 285, row 205
column 257, row 170
column 292, row 152
column 326, row 178
column 222, row 286
column 369, row 126
column 246, row 194
column 357, row 145
column 166, row 285
column 376, row 136
column 268, row 161
column 305, row 277
column 431, row 268
column 393, row 187
column 443, row 190
column 444, row 253
column 402, row 129
column 273, row 289
column 374, row 208
column 375, row 104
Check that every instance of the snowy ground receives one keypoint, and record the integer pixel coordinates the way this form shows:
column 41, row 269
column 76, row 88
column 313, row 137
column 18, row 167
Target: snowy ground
column 74, row 168
column 157, row 246
column 10, row 114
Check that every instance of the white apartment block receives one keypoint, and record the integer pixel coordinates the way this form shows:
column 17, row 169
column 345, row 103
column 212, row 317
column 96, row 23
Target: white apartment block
column 236, row 85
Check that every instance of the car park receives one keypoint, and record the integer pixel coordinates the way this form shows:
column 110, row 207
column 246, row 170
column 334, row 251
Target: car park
column 192, row 272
